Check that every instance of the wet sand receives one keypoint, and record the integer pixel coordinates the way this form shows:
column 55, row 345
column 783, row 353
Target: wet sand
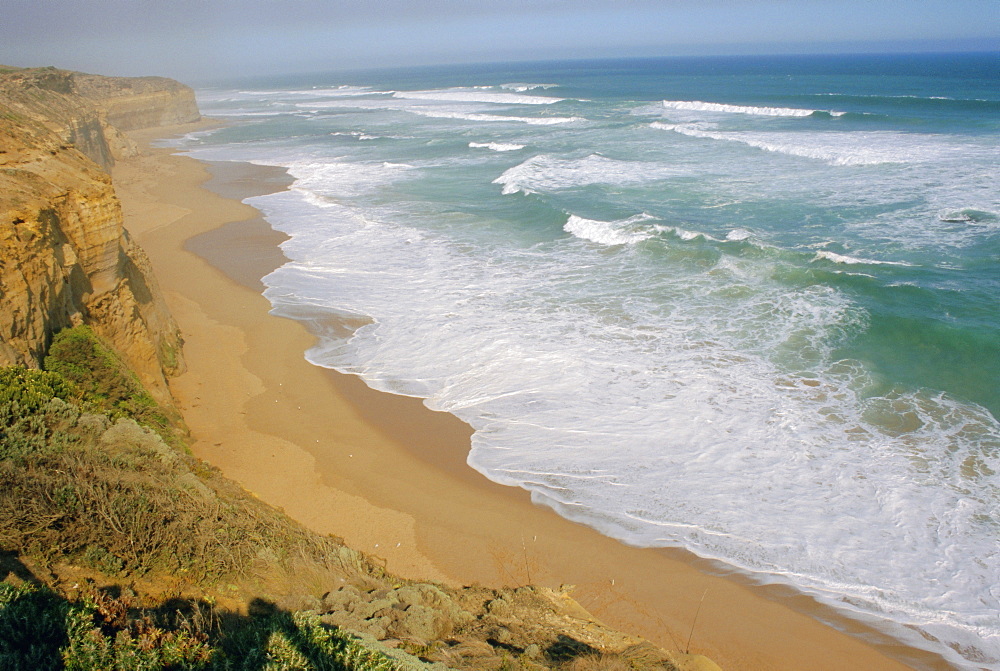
column 389, row 475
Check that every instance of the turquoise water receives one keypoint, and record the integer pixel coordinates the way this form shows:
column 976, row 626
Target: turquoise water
column 748, row 307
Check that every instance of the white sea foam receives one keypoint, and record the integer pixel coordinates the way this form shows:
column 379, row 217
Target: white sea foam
column 685, row 234
column 467, row 116
column 465, row 111
column 521, row 88
column 476, row 96
column 186, row 141
column 834, row 148
column 342, row 179
column 853, row 260
column 338, row 91
column 620, row 232
column 699, row 106
column 496, row 146
column 356, row 134
column 546, row 173
column 911, row 97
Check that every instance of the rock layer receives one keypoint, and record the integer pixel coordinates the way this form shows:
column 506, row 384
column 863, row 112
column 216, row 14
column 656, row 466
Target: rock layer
column 132, row 103
column 65, row 256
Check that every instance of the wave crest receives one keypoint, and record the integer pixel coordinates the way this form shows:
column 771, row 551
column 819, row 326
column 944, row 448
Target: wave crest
column 854, row 260
column 968, row 215
column 465, row 116
column 841, row 149
column 620, row 232
column 544, row 173
column 496, row 146
column 699, row 106
column 476, row 96
column 521, row 87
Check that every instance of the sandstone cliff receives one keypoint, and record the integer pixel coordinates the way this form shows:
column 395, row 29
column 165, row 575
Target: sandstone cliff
column 65, row 256
column 139, row 102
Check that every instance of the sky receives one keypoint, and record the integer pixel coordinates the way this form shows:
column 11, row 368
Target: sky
column 202, row 40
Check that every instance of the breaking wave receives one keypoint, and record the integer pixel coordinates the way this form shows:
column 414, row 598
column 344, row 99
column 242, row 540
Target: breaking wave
column 842, row 149
column 621, row 232
column 521, row 88
column 534, row 121
column 699, row 106
column 475, row 96
column 853, row 260
column 545, row 173
column 496, row 146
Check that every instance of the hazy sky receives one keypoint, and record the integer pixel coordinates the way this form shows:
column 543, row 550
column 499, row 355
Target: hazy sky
column 195, row 40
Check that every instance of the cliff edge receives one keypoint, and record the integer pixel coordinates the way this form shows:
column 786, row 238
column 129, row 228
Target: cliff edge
column 65, row 256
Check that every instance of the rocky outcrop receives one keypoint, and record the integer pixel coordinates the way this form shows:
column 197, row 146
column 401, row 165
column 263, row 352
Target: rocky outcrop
column 65, row 256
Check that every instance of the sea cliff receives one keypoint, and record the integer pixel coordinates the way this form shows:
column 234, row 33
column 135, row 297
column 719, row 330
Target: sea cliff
column 65, row 256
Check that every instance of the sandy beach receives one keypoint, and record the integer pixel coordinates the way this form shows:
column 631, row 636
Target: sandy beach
column 389, row 475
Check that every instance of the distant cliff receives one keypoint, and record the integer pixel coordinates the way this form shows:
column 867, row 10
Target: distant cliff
column 139, row 102
column 65, row 257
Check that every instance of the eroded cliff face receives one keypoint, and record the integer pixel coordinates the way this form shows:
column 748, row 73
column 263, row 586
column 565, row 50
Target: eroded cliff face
column 139, row 102
column 65, row 256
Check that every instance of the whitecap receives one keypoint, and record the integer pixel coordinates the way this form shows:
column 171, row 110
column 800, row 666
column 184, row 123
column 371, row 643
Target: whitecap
column 543, row 172
column 476, row 96
column 853, row 260
column 465, row 116
column 685, row 234
column 356, row 134
column 339, row 91
column 496, row 146
column 834, row 148
column 699, row 106
column 620, row 232
column 342, row 179
column 521, row 88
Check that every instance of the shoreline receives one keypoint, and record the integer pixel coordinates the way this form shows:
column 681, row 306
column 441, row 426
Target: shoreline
column 389, row 475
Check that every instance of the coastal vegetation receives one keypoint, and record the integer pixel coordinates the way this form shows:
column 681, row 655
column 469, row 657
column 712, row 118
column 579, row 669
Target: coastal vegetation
column 89, row 492
column 105, row 384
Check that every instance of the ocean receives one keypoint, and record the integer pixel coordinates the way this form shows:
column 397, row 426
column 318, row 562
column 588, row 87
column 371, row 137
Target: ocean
column 745, row 306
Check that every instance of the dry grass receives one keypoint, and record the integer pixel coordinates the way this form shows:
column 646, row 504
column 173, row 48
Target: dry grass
column 599, row 663
column 117, row 498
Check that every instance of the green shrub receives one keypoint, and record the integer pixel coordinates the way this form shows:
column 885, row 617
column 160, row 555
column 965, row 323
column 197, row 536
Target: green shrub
column 40, row 630
column 102, row 635
column 103, row 379
column 281, row 641
column 97, row 557
column 32, row 628
column 31, row 389
column 105, row 383
column 33, row 411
